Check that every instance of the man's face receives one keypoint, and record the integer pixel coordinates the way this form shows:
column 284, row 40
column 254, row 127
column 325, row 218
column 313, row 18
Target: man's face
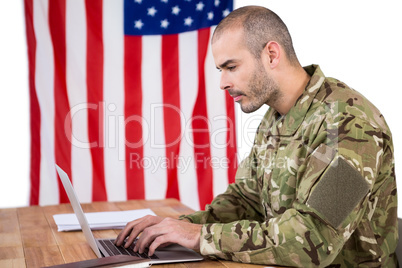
column 243, row 75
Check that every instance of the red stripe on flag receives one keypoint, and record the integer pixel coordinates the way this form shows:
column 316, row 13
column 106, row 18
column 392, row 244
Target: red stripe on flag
column 171, row 110
column 231, row 138
column 133, row 117
column 57, row 26
column 35, row 119
column 95, row 96
column 200, row 124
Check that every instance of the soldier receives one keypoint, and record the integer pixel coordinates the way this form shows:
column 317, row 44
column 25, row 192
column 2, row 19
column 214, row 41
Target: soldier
column 318, row 188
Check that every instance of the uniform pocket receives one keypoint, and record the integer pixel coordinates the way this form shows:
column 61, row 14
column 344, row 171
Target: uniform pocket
column 315, row 164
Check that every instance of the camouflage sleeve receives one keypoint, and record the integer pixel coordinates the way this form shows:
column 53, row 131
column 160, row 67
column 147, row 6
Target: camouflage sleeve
column 239, row 201
column 323, row 216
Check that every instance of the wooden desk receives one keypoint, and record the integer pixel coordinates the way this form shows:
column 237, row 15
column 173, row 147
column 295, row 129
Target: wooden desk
column 29, row 236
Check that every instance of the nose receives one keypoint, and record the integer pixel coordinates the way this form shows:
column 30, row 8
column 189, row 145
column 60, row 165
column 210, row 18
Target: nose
column 225, row 83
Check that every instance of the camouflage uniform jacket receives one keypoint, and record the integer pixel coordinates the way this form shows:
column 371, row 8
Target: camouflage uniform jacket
column 318, row 188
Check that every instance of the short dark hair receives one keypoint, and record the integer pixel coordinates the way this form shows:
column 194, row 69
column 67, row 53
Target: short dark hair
column 260, row 26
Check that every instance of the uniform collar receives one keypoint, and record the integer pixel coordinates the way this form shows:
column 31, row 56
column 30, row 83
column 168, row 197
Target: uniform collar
column 288, row 124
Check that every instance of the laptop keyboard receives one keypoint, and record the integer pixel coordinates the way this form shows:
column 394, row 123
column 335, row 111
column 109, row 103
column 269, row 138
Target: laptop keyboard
column 113, row 250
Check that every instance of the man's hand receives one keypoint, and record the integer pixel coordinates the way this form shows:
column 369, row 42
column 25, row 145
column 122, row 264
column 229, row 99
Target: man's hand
column 157, row 231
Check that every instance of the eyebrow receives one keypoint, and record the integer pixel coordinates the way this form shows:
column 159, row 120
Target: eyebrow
column 225, row 64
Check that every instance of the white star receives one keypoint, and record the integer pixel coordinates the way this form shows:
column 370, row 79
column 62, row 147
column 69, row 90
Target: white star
column 164, row 23
column 138, row 24
column 225, row 12
column 200, row 6
column 217, row 2
column 138, row 1
column 152, row 11
column 175, row 10
column 188, row 21
column 164, row 1
column 211, row 15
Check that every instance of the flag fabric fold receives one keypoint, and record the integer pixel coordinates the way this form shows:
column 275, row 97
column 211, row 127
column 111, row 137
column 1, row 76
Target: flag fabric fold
column 124, row 96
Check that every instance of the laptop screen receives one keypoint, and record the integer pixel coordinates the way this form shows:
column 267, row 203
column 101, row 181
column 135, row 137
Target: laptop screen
column 78, row 210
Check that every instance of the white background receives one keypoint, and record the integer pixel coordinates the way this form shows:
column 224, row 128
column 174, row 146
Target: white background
column 358, row 42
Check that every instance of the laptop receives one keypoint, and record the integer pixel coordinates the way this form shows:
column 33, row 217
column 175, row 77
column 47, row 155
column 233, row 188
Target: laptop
column 106, row 247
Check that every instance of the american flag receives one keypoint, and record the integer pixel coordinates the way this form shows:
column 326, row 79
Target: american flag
column 124, row 96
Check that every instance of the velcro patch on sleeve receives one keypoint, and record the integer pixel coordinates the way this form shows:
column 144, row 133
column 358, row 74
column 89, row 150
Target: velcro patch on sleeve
column 338, row 192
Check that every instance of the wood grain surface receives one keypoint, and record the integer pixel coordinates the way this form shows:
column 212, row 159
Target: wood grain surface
column 29, row 236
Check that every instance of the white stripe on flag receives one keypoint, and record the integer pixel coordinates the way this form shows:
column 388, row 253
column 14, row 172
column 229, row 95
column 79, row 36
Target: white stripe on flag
column 44, row 83
column 81, row 161
column 188, row 73
column 113, row 78
column 155, row 176
column 216, row 106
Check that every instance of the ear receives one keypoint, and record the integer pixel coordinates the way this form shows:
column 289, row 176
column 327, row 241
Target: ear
column 272, row 51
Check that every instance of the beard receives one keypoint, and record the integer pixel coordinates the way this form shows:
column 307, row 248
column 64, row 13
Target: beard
column 262, row 89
